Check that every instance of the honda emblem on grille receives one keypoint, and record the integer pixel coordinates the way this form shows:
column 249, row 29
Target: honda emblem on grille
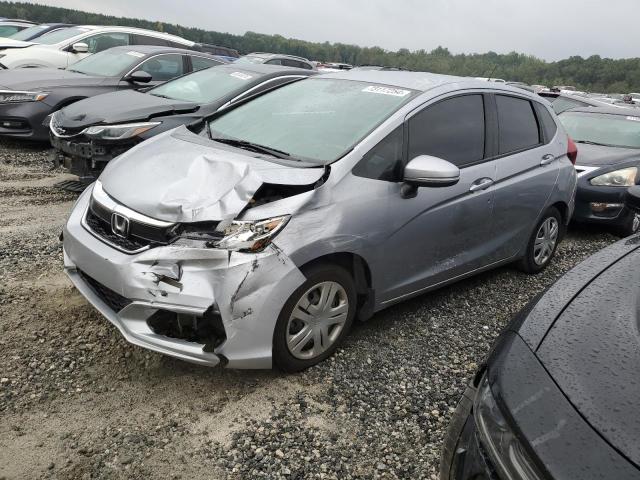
column 120, row 225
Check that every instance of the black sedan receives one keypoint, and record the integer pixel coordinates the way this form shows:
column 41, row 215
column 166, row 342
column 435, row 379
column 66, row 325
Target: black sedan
column 88, row 134
column 29, row 95
column 558, row 396
column 608, row 163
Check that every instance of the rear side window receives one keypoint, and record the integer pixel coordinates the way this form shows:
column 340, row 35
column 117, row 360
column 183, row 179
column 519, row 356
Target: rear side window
column 200, row 63
column 274, row 62
column 517, row 124
column 453, row 129
column 146, row 40
column 384, row 161
column 548, row 124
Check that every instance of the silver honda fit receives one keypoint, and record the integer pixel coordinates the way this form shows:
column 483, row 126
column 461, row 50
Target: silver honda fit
column 260, row 240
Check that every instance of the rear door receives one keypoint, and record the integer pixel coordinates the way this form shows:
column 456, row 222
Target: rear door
column 527, row 170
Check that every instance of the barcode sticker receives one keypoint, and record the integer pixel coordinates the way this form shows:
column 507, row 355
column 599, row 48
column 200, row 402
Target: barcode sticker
column 396, row 92
column 241, row 75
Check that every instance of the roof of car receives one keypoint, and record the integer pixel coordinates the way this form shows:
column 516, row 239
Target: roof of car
column 271, row 55
column 141, row 31
column 421, row 81
column 275, row 70
column 154, row 49
column 620, row 110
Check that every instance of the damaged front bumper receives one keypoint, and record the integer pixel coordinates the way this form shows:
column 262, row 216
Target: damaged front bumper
column 238, row 295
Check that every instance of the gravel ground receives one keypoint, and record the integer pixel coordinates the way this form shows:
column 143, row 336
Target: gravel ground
column 77, row 401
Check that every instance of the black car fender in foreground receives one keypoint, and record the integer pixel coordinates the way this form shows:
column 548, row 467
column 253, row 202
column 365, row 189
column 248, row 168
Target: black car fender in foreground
column 557, row 397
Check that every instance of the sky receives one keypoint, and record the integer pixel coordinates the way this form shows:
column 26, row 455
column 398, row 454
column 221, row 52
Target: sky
column 548, row 29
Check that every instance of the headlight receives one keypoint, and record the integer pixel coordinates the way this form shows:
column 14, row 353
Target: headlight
column 15, row 96
column 501, row 443
column 119, row 132
column 242, row 236
column 619, row 178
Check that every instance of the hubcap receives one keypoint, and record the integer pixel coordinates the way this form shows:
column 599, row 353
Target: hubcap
column 546, row 240
column 317, row 320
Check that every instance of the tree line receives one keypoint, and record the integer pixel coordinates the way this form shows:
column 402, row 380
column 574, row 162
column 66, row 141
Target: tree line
column 594, row 74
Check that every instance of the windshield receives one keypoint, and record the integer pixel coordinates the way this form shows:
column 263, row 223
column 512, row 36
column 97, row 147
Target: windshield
column 28, row 33
column 206, row 86
column 250, row 59
column 58, row 36
column 316, row 120
column 605, row 129
column 108, row 63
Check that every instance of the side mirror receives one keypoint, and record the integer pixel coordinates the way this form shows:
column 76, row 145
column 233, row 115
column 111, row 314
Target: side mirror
column 139, row 76
column 428, row 171
column 632, row 198
column 80, row 47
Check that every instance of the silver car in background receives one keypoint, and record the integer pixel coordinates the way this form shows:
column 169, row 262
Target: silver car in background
column 259, row 241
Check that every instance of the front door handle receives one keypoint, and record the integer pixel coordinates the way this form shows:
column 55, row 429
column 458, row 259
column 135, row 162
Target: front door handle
column 547, row 159
column 481, row 184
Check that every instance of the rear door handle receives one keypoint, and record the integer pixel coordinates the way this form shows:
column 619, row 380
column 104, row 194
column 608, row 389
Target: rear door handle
column 547, row 159
column 481, row 184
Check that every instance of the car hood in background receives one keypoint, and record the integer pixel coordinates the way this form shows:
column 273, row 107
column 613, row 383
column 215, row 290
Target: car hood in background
column 178, row 176
column 600, row 156
column 44, row 78
column 10, row 43
column 119, row 107
column 592, row 352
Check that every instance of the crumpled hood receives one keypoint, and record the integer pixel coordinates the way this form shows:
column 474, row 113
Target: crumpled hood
column 44, row 78
column 178, row 176
column 599, row 156
column 593, row 353
column 119, row 107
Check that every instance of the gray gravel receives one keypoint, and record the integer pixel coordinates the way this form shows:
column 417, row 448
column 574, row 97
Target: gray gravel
column 77, row 401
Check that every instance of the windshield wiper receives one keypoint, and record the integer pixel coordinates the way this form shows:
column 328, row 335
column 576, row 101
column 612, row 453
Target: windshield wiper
column 161, row 96
column 253, row 146
column 74, row 71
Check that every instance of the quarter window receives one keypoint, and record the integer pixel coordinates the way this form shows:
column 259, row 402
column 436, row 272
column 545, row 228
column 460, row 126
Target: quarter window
column 147, row 40
column 163, row 67
column 517, row 124
column 453, row 129
column 384, row 161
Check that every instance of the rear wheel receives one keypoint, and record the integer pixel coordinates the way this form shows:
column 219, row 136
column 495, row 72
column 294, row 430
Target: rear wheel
column 543, row 242
column 315, row 319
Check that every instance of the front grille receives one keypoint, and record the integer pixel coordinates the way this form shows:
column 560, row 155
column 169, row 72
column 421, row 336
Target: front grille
column 141, row 235
column 115, row 301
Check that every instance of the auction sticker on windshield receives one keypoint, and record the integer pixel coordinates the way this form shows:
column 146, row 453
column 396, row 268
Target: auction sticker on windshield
column 135, row 54
column 241, row 76
column 396, row 92
column 634, row 119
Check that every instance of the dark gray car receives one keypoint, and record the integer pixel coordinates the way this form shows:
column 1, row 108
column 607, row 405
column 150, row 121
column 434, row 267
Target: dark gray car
column 29, row 95
column 89, row 133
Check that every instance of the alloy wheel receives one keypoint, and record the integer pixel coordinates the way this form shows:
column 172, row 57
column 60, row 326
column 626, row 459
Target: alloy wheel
column 546, row 239
column 317, row 320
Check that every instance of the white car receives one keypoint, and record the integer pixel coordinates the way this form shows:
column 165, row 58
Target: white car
column 62, row 48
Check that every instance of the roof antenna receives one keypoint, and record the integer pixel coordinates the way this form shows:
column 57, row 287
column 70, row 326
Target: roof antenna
column 492, row 72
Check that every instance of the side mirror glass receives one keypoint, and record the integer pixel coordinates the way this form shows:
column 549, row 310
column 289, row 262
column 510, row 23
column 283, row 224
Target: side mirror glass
column 428, row 171
column 80, row 47
column 139, row 76
column 632, row 198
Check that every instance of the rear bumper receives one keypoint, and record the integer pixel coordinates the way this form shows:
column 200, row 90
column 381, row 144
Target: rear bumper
column 247, row 291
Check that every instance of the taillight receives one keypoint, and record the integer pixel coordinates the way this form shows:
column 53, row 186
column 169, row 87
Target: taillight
column 572, row 150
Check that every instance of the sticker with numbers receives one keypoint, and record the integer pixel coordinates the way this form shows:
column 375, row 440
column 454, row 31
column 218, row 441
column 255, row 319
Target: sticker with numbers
column 241, row 75
column 396, row 92
column 634, row 119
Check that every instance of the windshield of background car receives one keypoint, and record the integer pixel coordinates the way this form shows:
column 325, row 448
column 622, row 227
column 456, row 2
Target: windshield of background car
column 613, row 130
column 316, row 120
column 58, row 36
column 27, row 33
column 109, row 63
column 250, row 59
column 207, row 85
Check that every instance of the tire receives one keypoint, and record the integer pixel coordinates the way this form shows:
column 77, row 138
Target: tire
column 456, row 426
column 631, row 226
column 533, row 262
column 321, row 324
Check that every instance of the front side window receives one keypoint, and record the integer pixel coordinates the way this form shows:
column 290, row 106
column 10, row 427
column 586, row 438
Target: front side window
column 163, row 67
column 104, row 41
column 384, row 161
column 453, row 129
column 317, row 120
column 517, row 124
column 108, row 63
column 604, row 129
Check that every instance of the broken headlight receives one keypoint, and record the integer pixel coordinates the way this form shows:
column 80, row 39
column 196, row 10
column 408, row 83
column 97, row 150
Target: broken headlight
column 119, row 132
column 498, row 438
column 15, row 96
column 251, row 236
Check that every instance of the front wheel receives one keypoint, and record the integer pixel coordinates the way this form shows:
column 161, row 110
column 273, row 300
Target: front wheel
column 631, row 226
column 543, row 242
column 315, row 319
